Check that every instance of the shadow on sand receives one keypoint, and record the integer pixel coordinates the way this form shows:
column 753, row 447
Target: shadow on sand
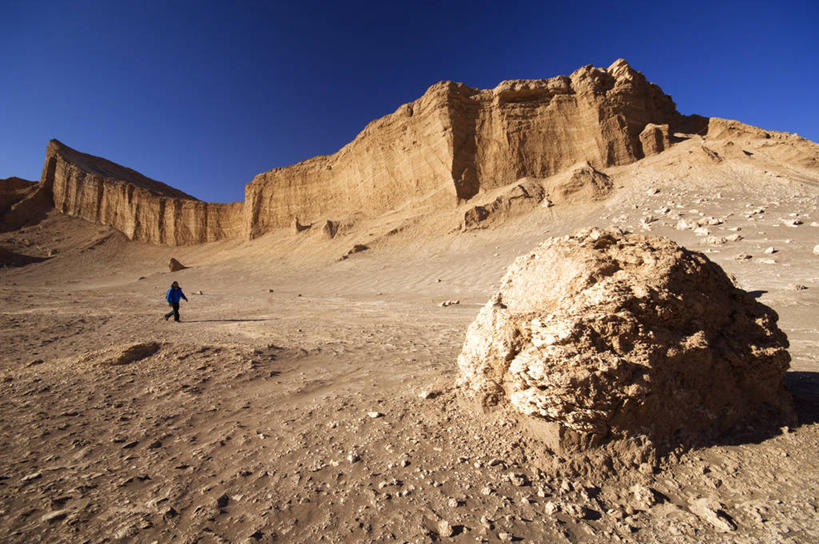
column 224, row 320
column 804, row 387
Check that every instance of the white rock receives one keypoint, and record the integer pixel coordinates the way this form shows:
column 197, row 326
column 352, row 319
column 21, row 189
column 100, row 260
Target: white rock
column 374, row 415
column 769, row 250
column 445, row 528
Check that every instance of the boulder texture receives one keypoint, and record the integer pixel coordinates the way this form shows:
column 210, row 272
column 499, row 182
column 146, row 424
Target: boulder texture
column 143, row 209
column 446, row 147
column 603, row 335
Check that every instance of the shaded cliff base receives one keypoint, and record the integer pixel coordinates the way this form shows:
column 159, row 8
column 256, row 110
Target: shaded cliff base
column 303, row 397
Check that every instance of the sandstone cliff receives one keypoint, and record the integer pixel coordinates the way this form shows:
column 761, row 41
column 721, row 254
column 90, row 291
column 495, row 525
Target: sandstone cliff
column 456, row 141
column 143, row 209
column 451, row 144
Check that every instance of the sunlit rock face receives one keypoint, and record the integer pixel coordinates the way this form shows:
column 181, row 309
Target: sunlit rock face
column 455, row 141
column 604, row 335
column 106, row 193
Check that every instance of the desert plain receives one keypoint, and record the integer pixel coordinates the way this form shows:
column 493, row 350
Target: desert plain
column 309, row 394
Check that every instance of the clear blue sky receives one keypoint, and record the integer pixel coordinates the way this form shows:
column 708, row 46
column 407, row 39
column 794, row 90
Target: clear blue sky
column 204, row 95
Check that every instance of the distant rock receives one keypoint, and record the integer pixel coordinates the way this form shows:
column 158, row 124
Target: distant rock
column 175, row 266
column 602, row 335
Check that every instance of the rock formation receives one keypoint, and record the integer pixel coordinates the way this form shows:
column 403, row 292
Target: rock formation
column 22, row 202
column 143, row 209
column 654, row 139
column 602, row 335
column 450, row 145
column 456, row 141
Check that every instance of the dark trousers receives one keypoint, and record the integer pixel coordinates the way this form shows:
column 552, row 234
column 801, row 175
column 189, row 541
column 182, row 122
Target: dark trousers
column 174, row 312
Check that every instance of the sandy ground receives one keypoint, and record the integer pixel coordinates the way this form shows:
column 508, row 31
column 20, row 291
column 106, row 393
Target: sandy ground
column 309, row 399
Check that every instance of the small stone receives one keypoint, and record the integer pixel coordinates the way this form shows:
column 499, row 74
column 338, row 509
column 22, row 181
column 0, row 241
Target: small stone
column 445, row 528
column 551, row 508
column 712, row 511
column 766, row 261
column 486, row 491
column 353, row 458
column 56, row 515
column 742, row 257
column 816, row 249
column 222, row 500
column 32, row 476
column 375, row 415
column 427, row 394
column 505, row 537
column 799, row 287
column 518, row 480
column 769, row 250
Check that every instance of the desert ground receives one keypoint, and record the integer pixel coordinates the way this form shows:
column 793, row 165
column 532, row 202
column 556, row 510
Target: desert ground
column 309, row 398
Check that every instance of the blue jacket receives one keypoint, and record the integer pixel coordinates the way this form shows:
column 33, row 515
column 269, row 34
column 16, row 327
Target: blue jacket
column 174, row 294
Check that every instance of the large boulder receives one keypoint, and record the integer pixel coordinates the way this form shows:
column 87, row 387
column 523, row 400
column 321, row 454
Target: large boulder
column 603, row 335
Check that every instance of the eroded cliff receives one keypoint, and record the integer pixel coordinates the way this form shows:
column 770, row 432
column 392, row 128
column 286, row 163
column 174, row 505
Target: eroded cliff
column 143, row 209
column 446, row 147
column 456, row 141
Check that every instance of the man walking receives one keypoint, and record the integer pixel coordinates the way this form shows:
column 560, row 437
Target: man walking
column 173, row 296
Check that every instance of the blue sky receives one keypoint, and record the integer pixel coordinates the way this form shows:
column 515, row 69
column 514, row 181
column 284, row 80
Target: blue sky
column 204, row 95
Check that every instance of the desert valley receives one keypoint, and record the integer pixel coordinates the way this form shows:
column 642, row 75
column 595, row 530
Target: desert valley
column 553, row 311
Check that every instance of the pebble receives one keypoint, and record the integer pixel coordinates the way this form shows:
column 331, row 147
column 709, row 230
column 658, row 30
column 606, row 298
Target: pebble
column 32, row 476
column 445, row 528
column 769, row 250
column 56, row 515
column 816, row 249
column 766, row 261
column 446, row 303
column 375, row 415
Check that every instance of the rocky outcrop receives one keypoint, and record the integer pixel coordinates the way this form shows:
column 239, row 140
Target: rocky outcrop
column 13, row 190
column 456, row 141
column 654, row 139
column 143, row 209
column 450, row 145
column 22, row 203
column 582, row 183
column 601, row 336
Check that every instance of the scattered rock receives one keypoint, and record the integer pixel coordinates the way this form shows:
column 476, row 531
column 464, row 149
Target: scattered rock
column 374, row 415
column 769, row 250
column 743, row 257
column 445, row 528
column 713, row 512
column 175, row 266
column 446, row 303
column 222, row 500
column 56, row 515
column 32, row 476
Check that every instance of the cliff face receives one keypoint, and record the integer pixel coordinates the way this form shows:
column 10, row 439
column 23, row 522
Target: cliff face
column 442, row 149
column 143, row 209
column 456, row 141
